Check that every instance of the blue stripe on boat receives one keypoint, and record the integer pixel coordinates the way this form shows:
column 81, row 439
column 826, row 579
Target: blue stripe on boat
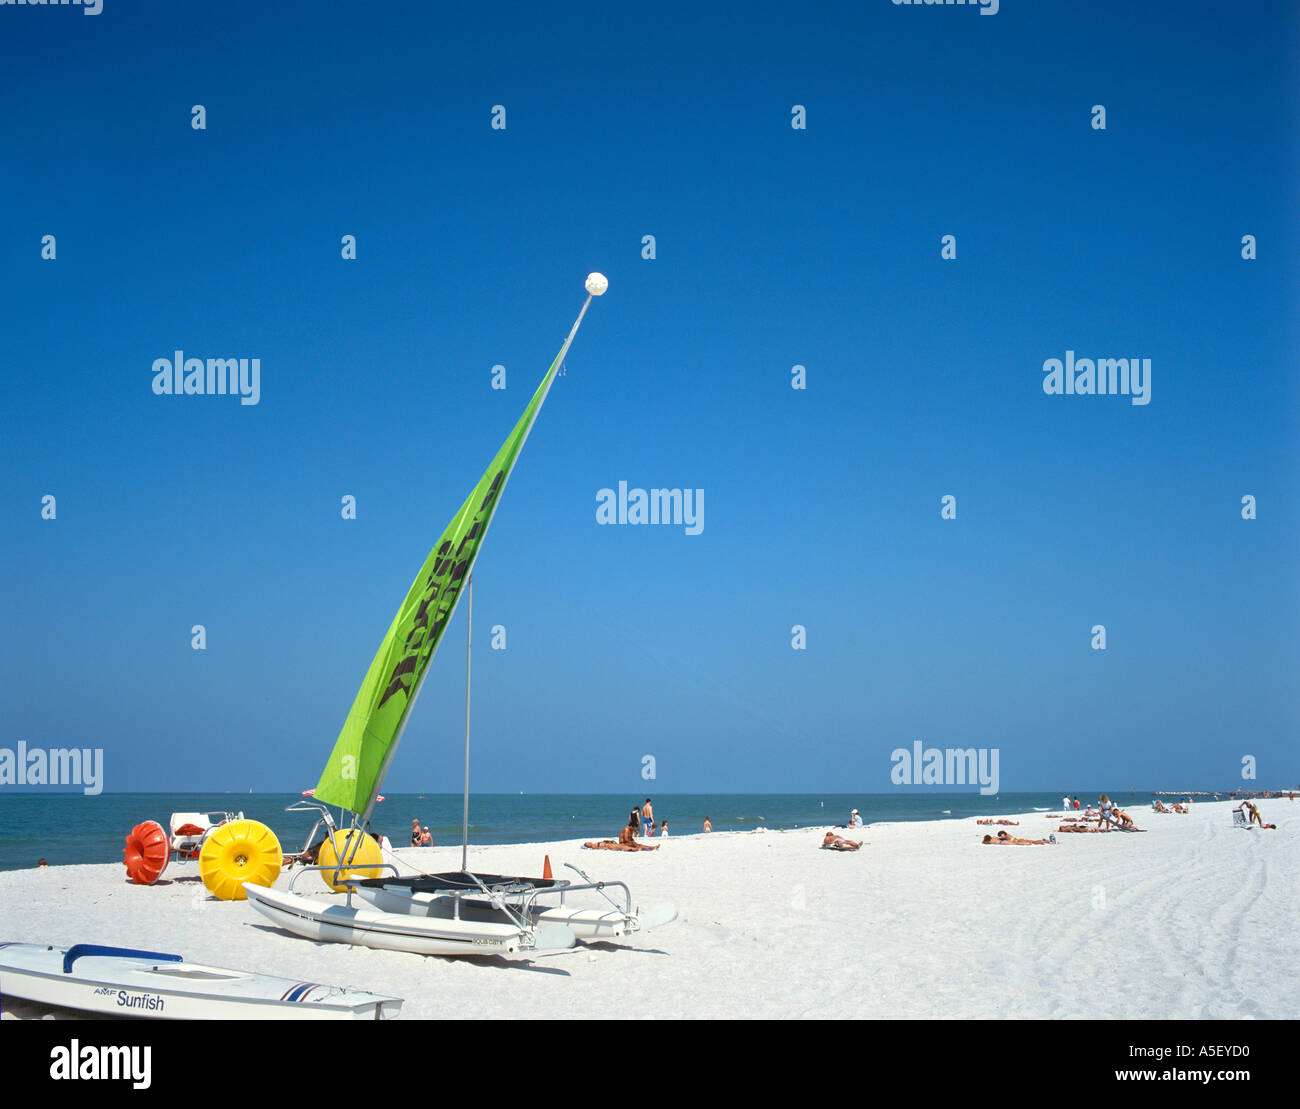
column 78, row 950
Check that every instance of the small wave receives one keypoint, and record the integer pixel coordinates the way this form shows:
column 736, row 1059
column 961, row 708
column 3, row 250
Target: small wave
column 947, row 812
column 1037, row 809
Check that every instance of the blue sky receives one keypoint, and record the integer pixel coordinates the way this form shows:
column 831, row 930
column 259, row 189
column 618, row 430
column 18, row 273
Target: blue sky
column 775, row 246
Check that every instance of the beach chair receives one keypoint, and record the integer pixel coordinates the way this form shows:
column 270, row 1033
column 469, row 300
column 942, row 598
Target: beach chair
column 188, row 829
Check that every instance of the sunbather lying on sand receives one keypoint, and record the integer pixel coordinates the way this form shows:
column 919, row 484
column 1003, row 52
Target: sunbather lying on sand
column 990, row 820
column 610, row 845
column 1080, row 827
column 1004, row 838
column 626, row 838
column 832, row 842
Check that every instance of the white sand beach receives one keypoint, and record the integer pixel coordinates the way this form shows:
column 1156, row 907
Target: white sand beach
column 1193, row 918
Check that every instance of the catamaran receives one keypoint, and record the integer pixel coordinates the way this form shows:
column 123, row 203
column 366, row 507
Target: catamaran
column 457, row 913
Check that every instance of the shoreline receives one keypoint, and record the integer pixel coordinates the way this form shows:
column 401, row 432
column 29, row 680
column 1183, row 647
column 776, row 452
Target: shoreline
column 67, row 832
column 411, row 855
column 1187, row 919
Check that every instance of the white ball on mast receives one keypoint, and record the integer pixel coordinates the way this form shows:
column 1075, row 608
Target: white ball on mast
column 597, row 283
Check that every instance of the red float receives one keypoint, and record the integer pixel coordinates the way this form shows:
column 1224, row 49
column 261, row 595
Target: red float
column 146, row 852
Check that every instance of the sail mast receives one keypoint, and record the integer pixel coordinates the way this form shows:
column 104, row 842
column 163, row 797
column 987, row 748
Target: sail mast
column 469, row 639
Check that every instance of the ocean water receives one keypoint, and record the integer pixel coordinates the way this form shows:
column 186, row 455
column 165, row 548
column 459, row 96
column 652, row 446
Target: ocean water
column 66, row 828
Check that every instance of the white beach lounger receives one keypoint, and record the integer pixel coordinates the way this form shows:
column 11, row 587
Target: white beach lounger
column 187, row 845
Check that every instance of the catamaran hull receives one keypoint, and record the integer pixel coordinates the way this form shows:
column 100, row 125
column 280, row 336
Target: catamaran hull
column 130, row 986
column 332, row 923
column 586, row 924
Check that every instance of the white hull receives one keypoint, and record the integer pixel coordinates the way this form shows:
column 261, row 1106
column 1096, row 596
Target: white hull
column 586, row 924
column 136, row 985
column 335, row 923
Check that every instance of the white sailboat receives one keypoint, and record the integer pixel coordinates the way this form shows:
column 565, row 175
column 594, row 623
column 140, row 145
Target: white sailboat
column 459, row 913
column 344, row 923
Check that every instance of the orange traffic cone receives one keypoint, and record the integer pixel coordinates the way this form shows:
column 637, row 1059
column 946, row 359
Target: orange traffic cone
column 546, row 867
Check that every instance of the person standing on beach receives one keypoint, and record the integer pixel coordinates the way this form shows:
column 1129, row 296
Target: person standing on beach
column 1076, row 803
column 647, row 818
column 1103, row 811
column 415, row 833
column 707, row 826
column 1066, row 802
column 663, row 830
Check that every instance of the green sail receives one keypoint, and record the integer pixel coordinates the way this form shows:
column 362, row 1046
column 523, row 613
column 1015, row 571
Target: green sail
column 370, row 734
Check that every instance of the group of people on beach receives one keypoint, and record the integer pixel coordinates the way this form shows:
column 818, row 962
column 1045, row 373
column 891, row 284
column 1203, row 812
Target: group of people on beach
column 832, row 842
column 627, row 840
column 640, row 820
column 1107, row 815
